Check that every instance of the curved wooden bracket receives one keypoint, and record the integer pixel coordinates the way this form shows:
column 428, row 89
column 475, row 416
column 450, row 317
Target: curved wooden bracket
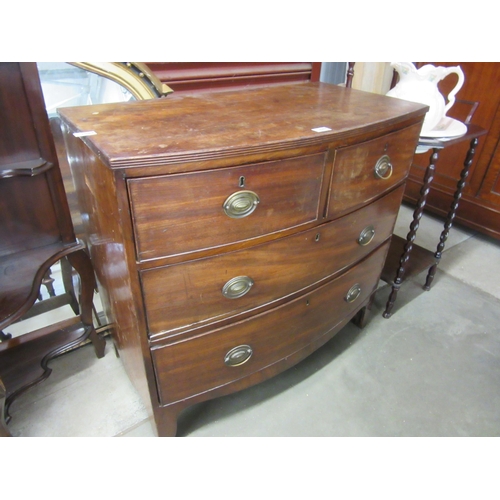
column 28, row 168
column 20, row 290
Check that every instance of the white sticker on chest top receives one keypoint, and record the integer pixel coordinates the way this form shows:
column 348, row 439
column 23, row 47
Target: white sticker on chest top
column 321, row 129
column 84, row 134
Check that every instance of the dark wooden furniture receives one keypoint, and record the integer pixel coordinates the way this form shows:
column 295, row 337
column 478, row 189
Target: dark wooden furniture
column 193, row 77
column 36, row 233
column 410, row 259
column 4, row 431
column 233, row 233
column 479, row 206
column 350, row 74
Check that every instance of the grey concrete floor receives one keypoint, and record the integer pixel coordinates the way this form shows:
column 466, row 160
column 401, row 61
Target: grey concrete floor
column 432, row 369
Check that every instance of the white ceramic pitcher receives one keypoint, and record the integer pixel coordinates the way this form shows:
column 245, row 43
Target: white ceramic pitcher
column 421, row 85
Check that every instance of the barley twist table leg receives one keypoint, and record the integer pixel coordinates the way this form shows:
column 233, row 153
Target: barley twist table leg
column 410, row 238
column 451, row 214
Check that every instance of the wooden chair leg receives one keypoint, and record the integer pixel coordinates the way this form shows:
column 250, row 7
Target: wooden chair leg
column 48, row 283
column 81, row 262
column 67, row 278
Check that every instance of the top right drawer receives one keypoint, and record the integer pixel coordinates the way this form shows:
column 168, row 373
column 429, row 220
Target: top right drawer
column 365, row 171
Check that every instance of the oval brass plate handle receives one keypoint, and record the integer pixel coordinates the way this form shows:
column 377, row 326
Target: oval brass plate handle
column 238, row 355
column 383, row 168
column 241, row 204
column 366, row 236
column 237, row 287
column 353, row 293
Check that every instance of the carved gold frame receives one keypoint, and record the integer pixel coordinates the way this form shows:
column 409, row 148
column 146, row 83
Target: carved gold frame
column 136, row 77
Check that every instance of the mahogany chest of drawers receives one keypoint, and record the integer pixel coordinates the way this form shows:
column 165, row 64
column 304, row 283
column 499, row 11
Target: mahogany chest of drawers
column 233, row 233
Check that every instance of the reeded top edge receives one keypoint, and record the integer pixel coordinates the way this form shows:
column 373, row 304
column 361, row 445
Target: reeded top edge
column 207, row 125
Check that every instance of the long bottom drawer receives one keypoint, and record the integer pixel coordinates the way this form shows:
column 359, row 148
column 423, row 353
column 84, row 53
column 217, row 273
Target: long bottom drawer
column 194, row 366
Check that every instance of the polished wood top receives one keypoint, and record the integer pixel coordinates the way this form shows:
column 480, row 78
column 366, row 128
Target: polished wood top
column 213, row 124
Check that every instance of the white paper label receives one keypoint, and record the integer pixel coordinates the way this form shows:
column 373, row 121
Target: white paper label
column 84, row 134
column 321, row 129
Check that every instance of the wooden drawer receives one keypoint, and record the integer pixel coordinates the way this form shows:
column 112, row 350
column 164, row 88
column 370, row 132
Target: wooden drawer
column 190, row 294
column 354, row 179
column 177, row 214
column 193, row 366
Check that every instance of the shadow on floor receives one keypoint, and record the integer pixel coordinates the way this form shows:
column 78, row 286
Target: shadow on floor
column 198, row 415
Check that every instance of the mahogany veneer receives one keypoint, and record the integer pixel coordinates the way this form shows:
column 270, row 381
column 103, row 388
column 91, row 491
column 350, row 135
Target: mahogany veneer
column 233, row 233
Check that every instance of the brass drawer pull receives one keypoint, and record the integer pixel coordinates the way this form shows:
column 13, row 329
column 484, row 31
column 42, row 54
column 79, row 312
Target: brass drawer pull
column 366, row 236
column 237, row 287
column 353, row 293
column 238, row 355
column 241, row 204
column 383, row 168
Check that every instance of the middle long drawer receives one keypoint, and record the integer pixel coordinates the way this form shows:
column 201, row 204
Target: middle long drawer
column 191, row 294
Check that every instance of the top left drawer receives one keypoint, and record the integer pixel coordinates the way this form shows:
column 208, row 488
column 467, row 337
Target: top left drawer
column 182, row 213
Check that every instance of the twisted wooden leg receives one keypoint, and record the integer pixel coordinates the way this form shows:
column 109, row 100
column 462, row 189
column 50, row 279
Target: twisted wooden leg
column 451, row 214
column 410, row 238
